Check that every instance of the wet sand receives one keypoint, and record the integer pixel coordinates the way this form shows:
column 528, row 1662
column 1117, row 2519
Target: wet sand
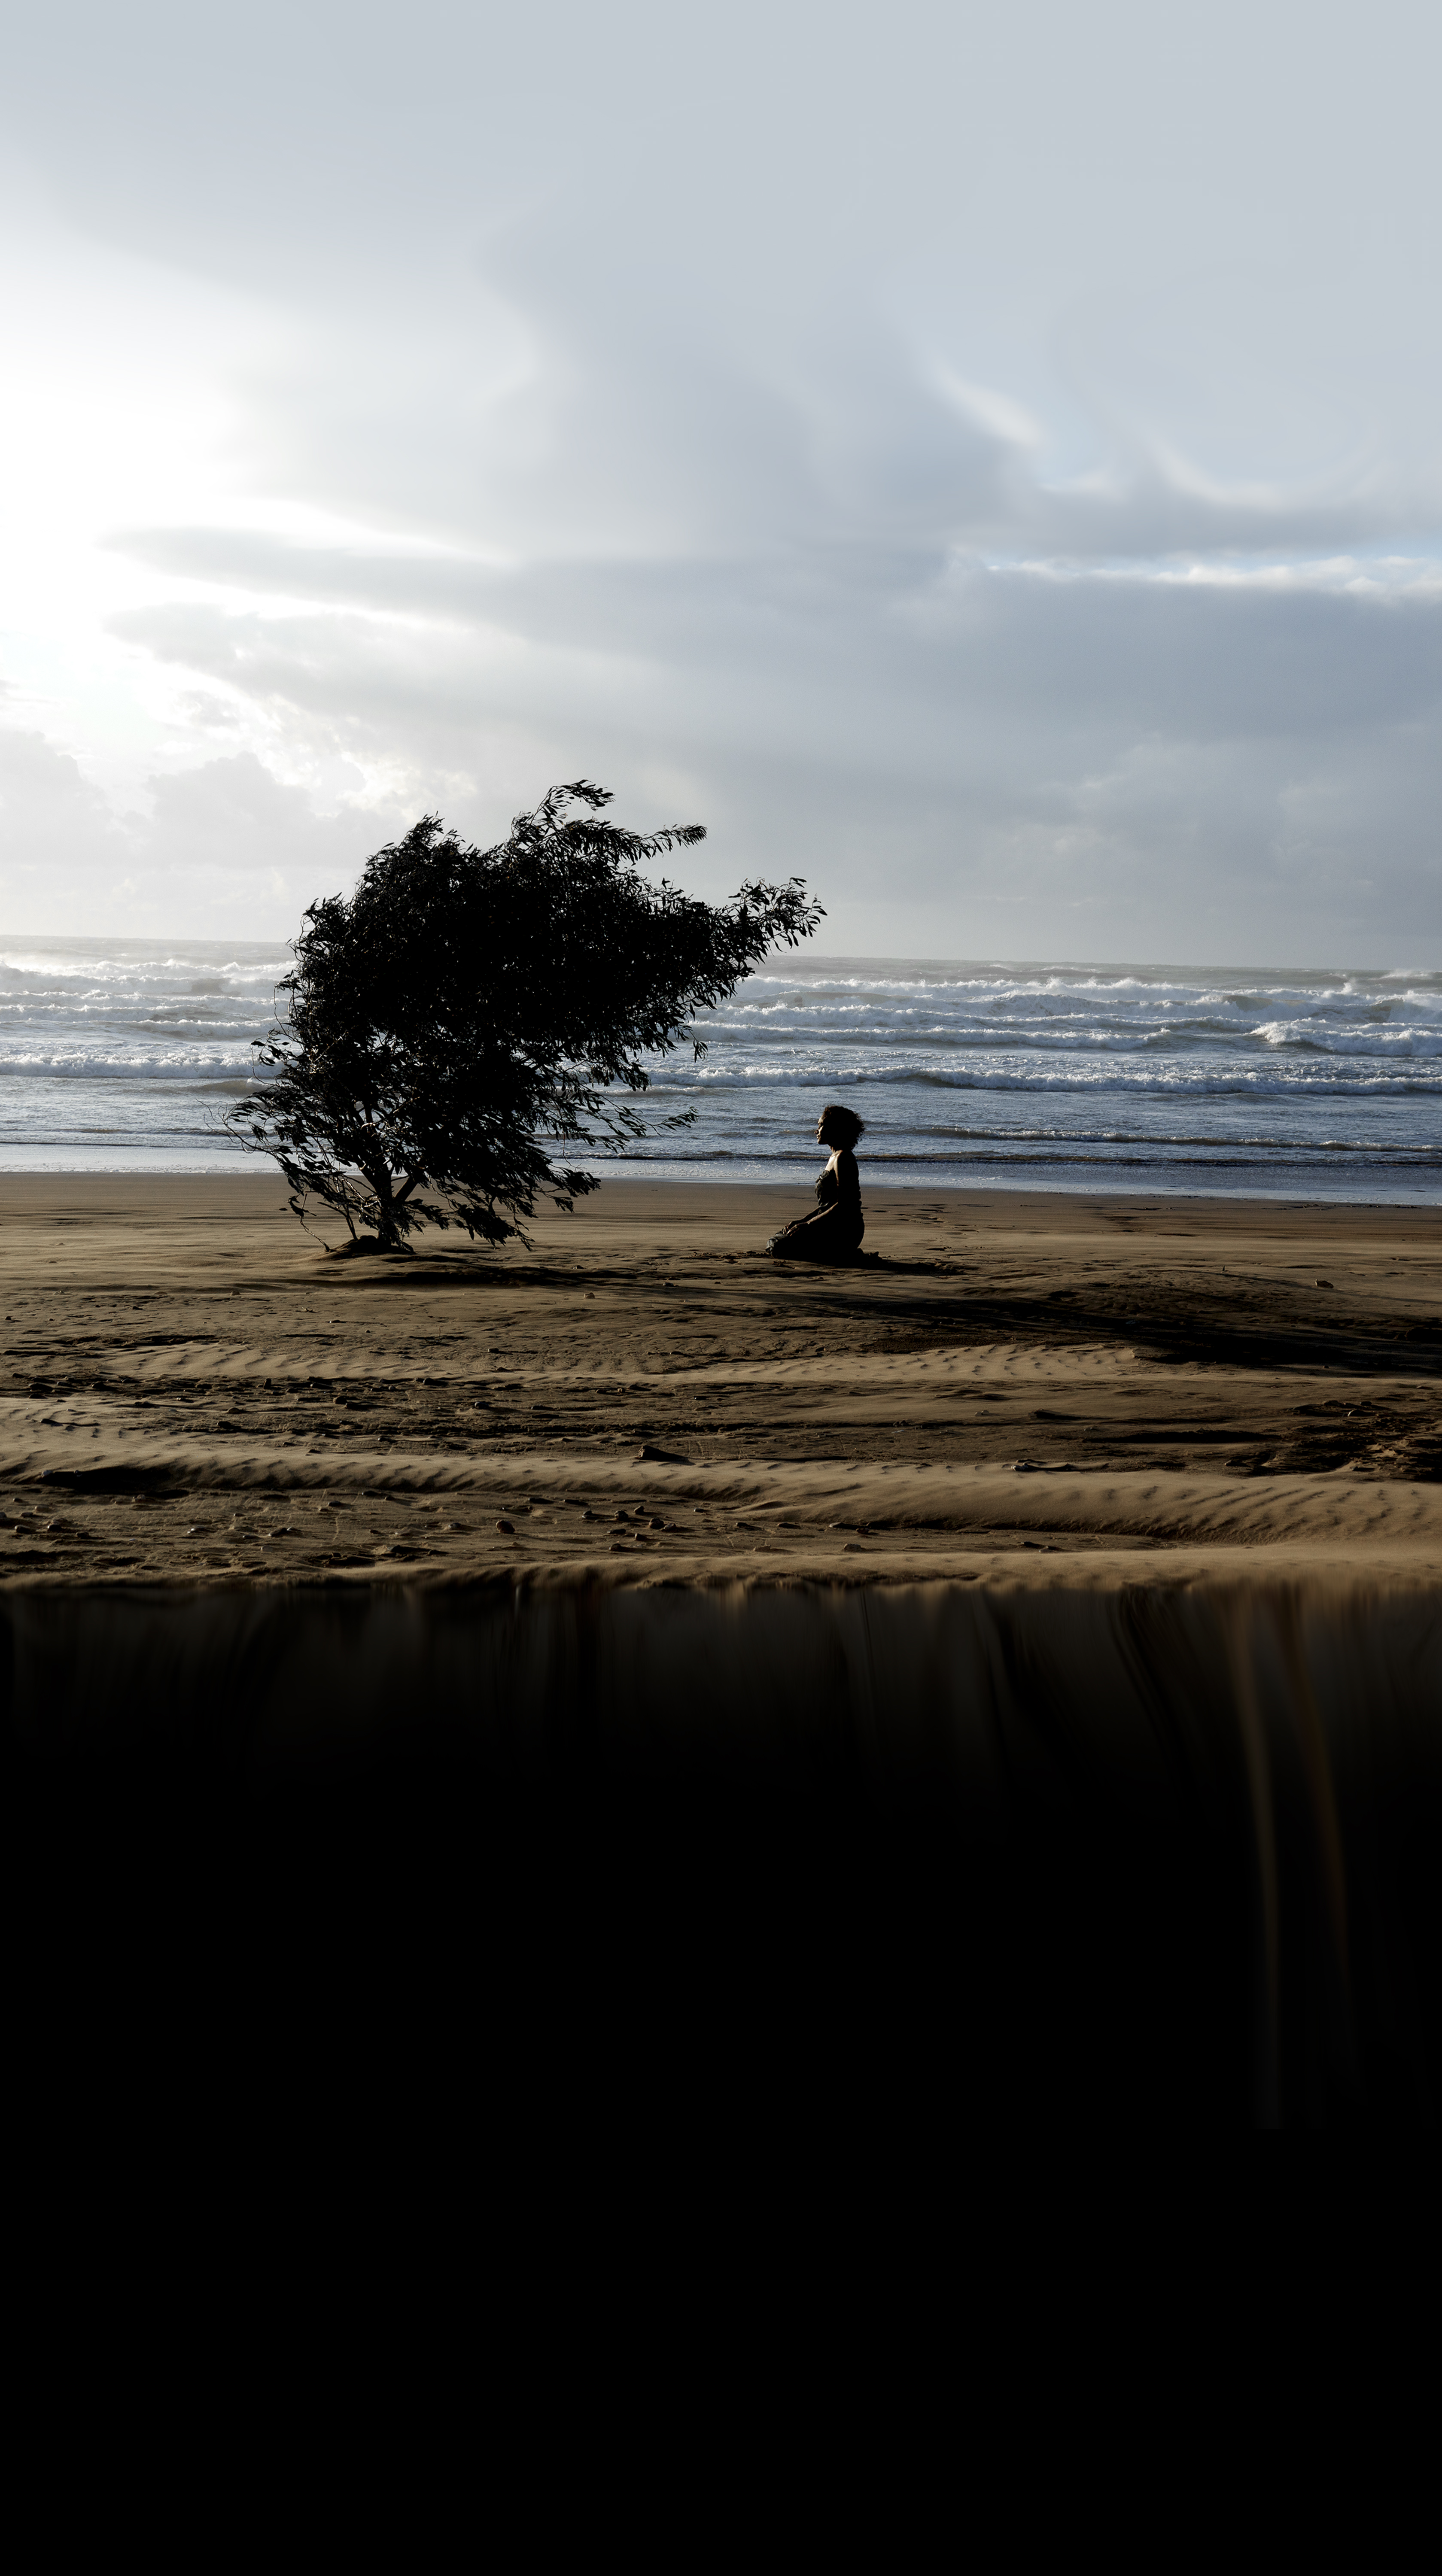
column 1033, row 1388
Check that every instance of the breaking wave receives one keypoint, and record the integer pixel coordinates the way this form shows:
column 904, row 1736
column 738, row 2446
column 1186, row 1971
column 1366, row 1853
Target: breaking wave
column 124, row 1054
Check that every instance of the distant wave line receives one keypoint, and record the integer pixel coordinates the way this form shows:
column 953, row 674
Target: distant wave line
column 1247, row 1157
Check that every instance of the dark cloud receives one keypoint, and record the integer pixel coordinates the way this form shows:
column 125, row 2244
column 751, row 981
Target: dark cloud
column 1147, row 751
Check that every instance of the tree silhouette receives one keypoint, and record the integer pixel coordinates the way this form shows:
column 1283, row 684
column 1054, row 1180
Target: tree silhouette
column 467, row 1012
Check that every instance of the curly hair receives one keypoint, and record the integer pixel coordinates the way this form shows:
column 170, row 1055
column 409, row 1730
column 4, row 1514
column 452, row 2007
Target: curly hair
column 848, row 1128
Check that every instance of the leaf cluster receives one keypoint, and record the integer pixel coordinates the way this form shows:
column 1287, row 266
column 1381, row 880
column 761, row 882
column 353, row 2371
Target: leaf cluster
column 467, row 1015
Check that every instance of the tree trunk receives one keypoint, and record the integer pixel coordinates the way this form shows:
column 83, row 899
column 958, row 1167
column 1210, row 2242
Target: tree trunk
column 388, row 1233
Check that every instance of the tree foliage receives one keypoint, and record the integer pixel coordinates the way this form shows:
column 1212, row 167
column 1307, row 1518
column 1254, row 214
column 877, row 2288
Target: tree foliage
column 467, row 1014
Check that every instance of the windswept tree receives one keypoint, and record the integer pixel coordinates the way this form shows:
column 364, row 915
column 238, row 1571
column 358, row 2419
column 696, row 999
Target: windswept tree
column 467, row 1015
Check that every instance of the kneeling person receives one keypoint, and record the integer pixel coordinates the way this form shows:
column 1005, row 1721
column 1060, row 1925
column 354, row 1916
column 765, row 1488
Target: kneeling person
column 834, row 1231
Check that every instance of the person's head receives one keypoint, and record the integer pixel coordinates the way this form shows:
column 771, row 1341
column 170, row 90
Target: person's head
column 839, row 1127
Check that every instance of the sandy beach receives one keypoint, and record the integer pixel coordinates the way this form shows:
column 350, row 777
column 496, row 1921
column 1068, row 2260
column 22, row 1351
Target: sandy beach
column 1035, row 1387
column 1032, row 1636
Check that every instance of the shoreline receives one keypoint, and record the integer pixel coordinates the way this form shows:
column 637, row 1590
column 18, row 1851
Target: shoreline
column 1111, row 1183
column 28, row 1191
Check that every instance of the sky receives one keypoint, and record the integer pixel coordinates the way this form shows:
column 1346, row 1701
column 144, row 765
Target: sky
column 984, row 459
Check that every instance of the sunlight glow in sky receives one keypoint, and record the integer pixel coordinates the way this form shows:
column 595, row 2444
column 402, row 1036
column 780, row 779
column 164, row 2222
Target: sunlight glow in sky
column 987, row 460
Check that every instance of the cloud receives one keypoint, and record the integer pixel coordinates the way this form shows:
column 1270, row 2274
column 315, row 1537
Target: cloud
column 1126, row 754
column 233, row 816
column 55, row 826
column 994, row 413
column 252, row 842
column 989, row 461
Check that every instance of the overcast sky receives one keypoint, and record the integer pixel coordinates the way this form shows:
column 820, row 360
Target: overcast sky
column 986, row 459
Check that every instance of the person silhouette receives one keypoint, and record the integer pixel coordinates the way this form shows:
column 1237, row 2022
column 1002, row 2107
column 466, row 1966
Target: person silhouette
column 833, row 1230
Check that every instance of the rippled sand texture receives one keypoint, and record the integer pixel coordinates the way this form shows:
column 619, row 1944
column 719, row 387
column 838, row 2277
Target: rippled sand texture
column 1008, row 1677
column 196, row 1391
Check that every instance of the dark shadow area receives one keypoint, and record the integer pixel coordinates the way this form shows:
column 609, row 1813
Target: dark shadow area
column 1242, row 1331
column 1018, row 1861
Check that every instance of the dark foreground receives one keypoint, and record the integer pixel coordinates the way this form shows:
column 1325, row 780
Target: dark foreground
column 980, row 1856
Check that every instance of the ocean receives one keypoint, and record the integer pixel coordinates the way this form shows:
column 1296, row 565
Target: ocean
column 121, row 1055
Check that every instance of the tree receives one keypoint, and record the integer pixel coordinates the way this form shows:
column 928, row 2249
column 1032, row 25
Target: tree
column 466, row 1012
